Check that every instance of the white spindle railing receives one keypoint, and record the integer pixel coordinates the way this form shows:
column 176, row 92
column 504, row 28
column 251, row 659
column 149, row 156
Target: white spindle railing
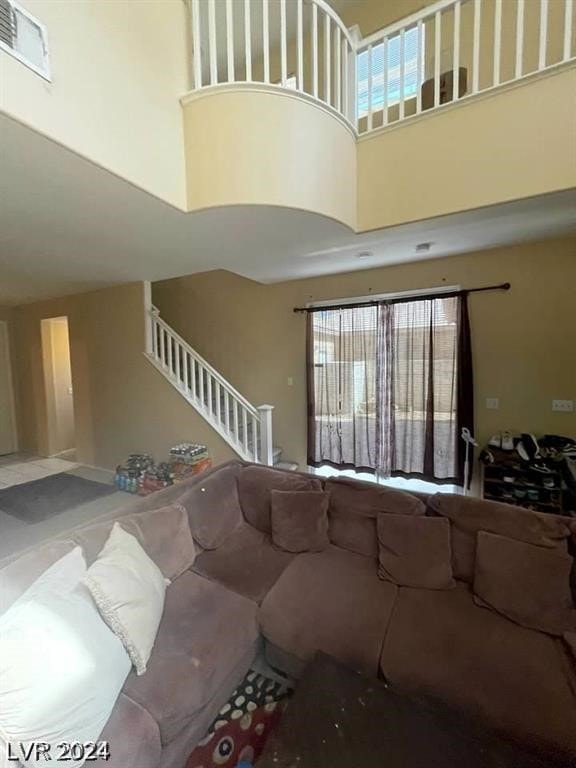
column 232, row 42
column 246, row 428
column 455, row 49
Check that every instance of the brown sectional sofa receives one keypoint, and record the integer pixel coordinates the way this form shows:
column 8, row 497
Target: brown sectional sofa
column 240, row 588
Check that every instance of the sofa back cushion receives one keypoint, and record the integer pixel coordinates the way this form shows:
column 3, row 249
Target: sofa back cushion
column 414, row 551
column 300, row 520
column 526, row 583
column 255, row 484
column 21, row 573
column 213, row 505
column 470, row 515
column 163, row 533
column 354, row 508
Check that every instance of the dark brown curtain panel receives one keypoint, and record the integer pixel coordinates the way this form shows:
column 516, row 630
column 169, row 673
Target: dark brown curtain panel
column 390, row 387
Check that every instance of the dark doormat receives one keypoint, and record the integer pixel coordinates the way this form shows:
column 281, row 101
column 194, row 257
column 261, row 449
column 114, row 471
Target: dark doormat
column 41, row 499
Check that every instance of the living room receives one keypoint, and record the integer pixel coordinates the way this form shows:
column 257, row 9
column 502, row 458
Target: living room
column 353, row 302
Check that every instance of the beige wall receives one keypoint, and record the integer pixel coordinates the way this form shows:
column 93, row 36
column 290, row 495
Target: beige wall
column 523, row 340
column 118, row 68
column 122, row 404
column 277, row 150
column 513, row 144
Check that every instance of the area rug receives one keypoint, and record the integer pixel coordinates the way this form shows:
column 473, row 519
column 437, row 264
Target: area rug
column 243, row 725
column 40, row 500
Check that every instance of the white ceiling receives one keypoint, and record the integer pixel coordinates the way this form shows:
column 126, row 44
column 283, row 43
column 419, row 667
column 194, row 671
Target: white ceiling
column 67, row 226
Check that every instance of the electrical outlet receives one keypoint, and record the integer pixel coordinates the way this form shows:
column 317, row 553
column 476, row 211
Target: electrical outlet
column 492, row 403
column 566, row 406
column 290, row 381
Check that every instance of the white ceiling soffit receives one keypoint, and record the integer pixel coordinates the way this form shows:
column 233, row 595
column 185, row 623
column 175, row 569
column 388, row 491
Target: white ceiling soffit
column 67, row 226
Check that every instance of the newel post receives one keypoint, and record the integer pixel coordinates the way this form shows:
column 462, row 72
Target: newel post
column 266, row 445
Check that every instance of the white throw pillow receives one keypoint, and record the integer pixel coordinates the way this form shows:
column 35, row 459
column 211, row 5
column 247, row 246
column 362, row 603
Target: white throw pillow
column 61, row 668
column 129, row 590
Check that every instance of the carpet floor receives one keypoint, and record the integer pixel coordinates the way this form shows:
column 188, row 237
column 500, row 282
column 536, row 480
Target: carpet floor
column 40, row 500
column 239, row 732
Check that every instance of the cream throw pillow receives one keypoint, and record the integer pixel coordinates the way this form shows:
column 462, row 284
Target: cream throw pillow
column 61, row 668
column 129, row 590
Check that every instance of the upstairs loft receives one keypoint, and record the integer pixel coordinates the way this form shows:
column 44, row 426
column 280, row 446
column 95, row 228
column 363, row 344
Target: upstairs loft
column 285, row 103
column 448, row 51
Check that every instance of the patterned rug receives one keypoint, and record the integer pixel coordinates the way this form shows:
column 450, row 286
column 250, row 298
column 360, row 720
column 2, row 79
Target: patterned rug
column 239, row 732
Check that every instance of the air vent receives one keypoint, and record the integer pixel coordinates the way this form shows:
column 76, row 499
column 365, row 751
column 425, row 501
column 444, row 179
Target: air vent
column 24, row 37
column 6, row 24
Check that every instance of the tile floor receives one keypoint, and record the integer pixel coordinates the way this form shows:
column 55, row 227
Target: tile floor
column 16, row 535
column 16, row 468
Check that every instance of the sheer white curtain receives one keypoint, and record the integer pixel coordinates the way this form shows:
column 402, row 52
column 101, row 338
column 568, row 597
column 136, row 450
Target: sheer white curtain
column 390, row 386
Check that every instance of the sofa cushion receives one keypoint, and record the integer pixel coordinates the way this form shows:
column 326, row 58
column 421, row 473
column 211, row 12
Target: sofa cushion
column 213, row 505
column 300, row 520
column 415, row 551
column 204, row 632
column 164, row 534
column 246, row 563
column 132, row 735
column 354, row 507
column 528, row 584
column 255, row 484
column 470, row 515
column 21, row 573
column 334, row 602
column 129, row 591
column 515, row 679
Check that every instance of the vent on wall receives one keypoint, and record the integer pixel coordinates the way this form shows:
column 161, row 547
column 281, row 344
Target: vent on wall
column 24, row 37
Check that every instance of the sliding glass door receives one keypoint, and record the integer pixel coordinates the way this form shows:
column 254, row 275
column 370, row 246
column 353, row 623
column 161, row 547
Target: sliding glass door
column 390, row 387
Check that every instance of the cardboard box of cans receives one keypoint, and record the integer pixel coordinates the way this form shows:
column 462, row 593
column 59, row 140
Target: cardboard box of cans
column 188, row 459
column 140, row 474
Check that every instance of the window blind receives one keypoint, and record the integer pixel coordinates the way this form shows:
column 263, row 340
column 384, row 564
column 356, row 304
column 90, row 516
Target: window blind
column 391, row 91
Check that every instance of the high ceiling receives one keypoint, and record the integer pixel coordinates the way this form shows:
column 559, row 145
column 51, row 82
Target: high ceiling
column 67, row 225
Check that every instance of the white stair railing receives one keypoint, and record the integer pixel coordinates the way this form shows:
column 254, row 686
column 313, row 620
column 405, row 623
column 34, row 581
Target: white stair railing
column 455, row 49
column 298, row 44
column 246, row 428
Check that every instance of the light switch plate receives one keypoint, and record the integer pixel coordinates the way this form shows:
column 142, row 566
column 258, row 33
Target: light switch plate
column 565, row 406
column 492, row 403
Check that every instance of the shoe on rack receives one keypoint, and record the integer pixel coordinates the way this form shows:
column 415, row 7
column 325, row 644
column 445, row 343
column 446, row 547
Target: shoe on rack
column 539, row 466
column 486, row 456
column 531, row 445
column 507, row 441
column 495, row 441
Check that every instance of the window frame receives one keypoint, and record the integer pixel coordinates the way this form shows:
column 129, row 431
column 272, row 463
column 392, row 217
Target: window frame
column 361, row 114
column 43, row 72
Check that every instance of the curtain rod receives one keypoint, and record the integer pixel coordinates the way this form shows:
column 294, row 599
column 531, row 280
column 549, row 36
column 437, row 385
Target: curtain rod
column 413, row 297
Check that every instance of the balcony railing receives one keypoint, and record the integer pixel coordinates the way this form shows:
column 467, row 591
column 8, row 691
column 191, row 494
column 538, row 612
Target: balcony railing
column 454, row 49
column 298, row 44
column 450, row 50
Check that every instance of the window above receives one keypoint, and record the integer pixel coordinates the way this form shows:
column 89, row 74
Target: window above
column 386, row 75
column 24, row 37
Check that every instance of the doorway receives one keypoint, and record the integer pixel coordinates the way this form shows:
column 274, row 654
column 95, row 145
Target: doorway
column 7, row 411
column 60, row 437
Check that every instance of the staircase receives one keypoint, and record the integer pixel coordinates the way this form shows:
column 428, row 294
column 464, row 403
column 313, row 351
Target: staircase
column 246, row 428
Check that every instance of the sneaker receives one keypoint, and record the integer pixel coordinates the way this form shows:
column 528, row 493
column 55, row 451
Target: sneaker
column 539, row 466
column 495, row 441
column 486, row 457
column 507, row 441
column 531, row 445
